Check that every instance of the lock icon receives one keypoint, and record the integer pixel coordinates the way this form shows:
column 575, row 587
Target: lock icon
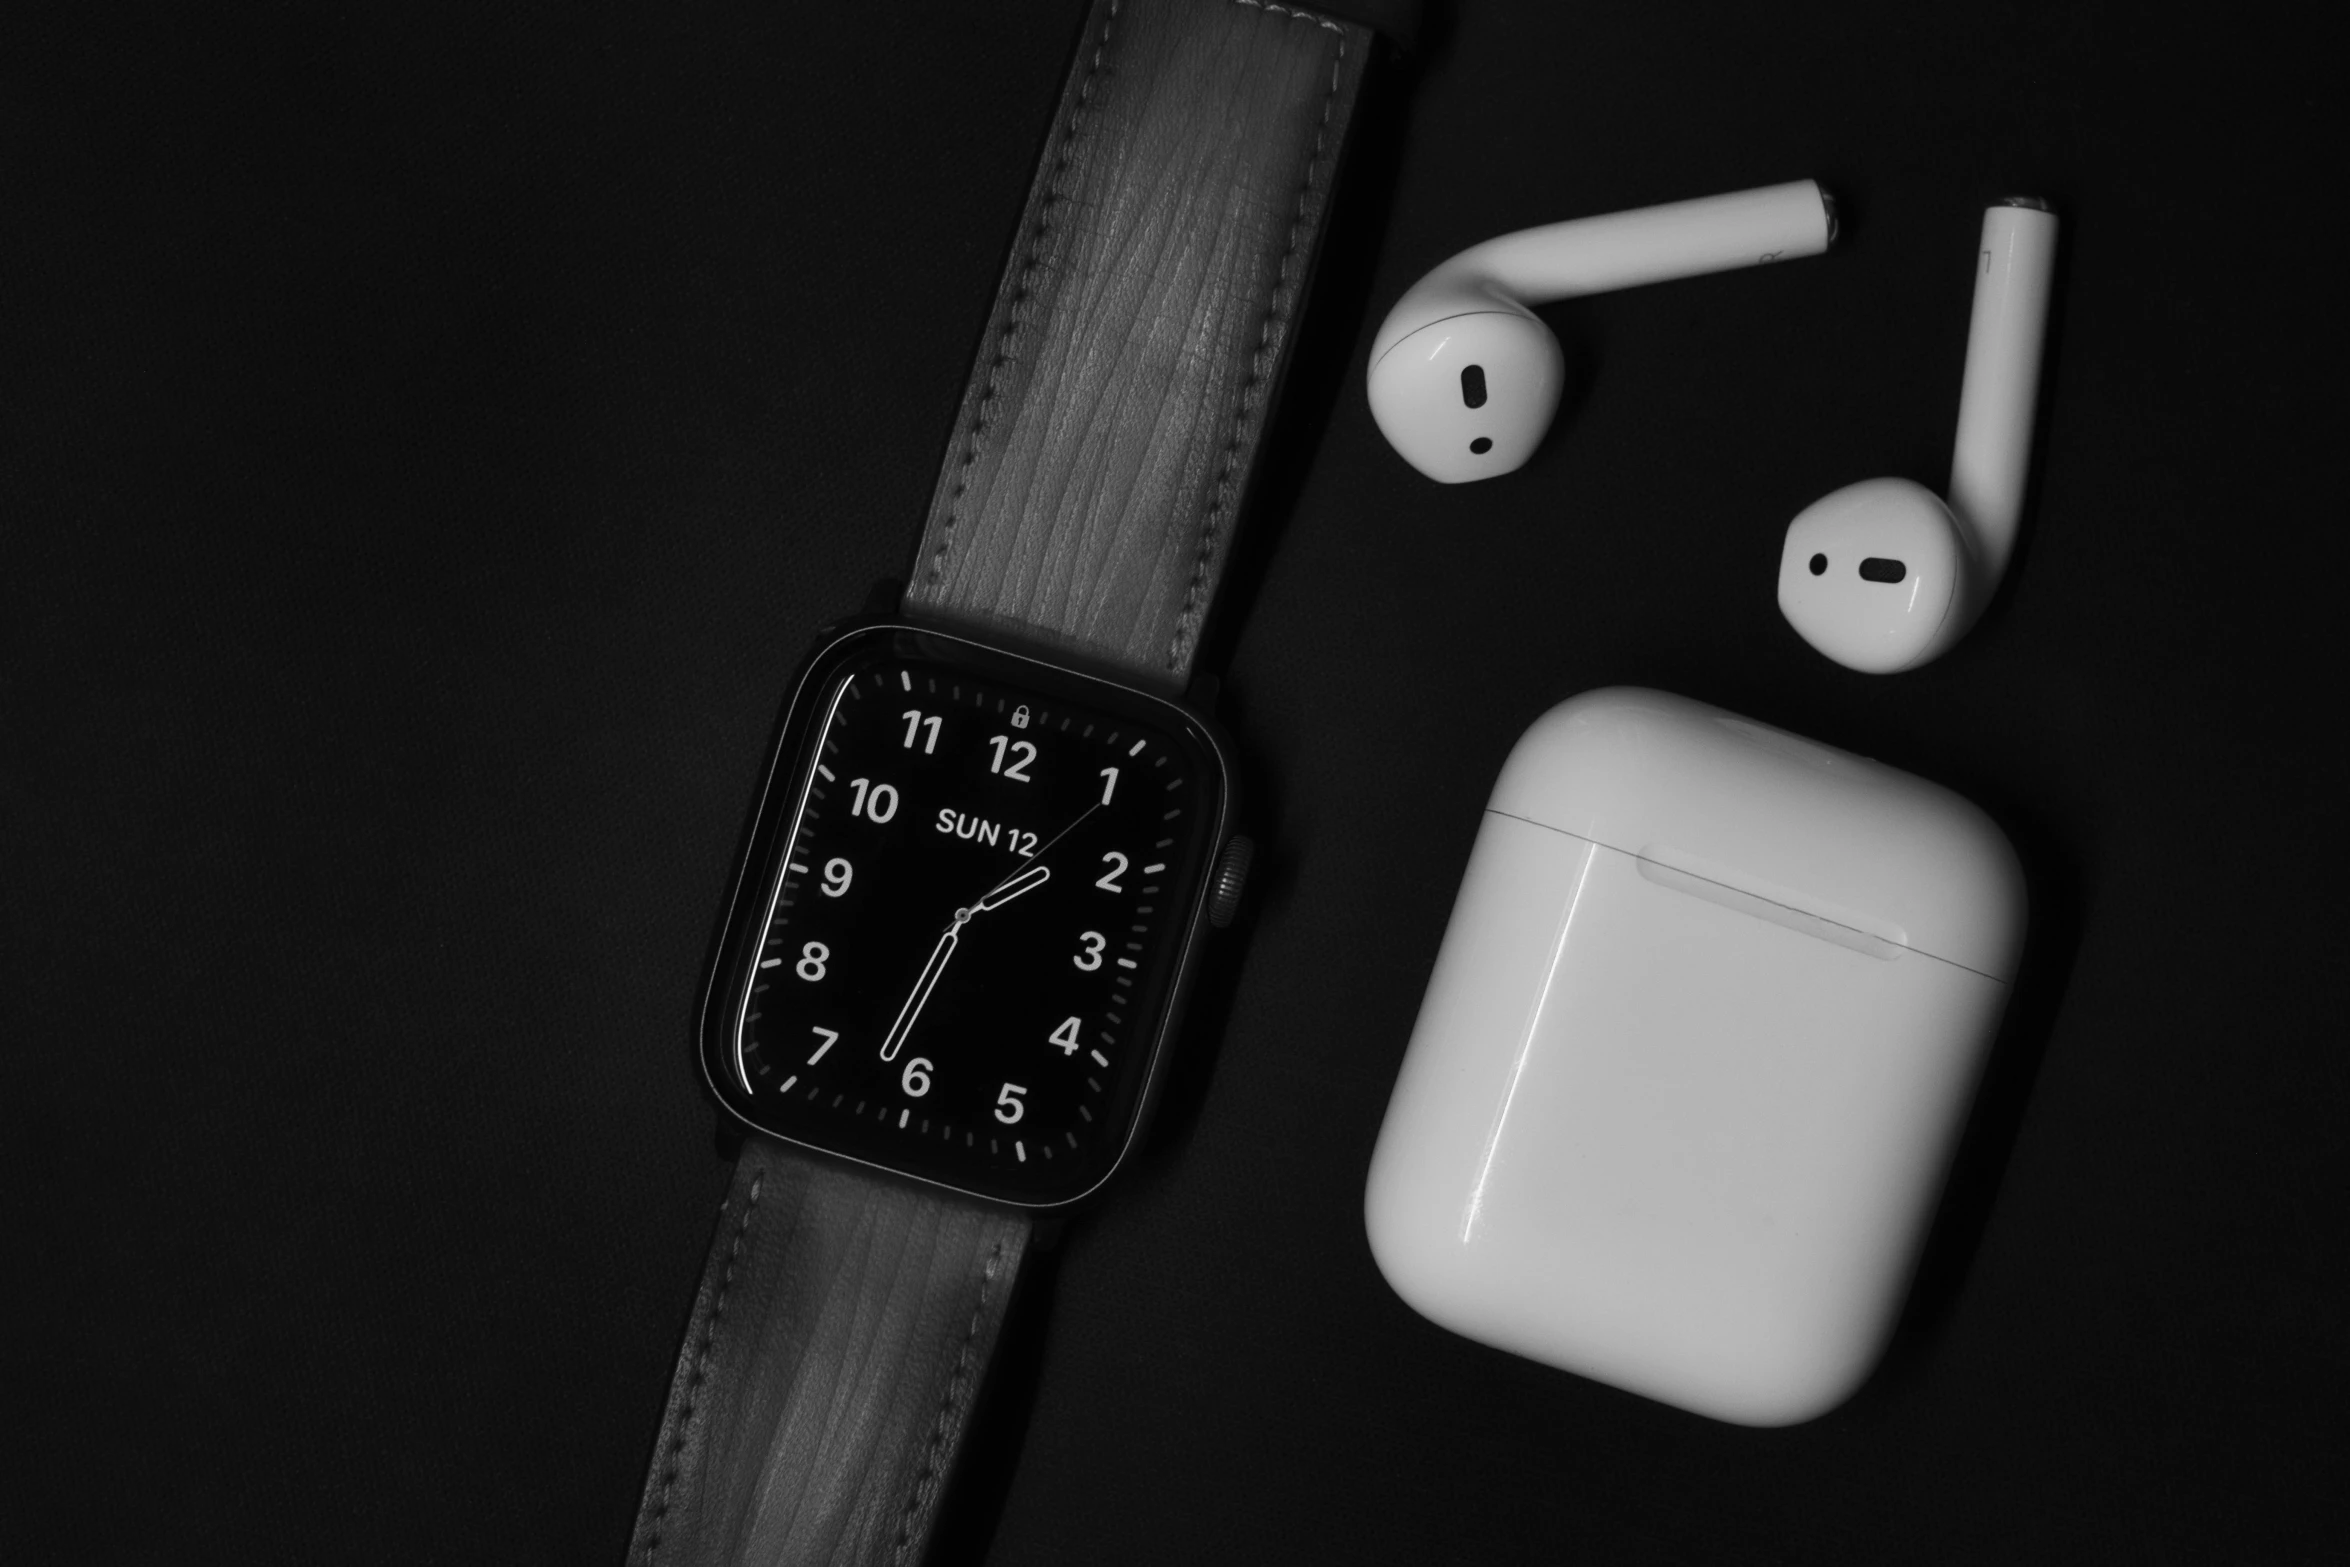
column 1020, row 716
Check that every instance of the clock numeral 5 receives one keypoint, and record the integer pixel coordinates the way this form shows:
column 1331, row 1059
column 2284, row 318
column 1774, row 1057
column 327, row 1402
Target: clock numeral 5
column 1009, row 1106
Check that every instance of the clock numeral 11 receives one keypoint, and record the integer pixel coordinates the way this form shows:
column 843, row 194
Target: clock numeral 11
column 916, row 721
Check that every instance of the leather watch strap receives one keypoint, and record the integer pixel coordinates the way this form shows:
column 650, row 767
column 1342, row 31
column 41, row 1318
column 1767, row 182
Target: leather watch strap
column 1140, row 332
column 837, row 1343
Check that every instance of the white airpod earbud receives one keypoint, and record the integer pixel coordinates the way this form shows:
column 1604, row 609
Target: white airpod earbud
column 1882, row 575
column 1464, row 378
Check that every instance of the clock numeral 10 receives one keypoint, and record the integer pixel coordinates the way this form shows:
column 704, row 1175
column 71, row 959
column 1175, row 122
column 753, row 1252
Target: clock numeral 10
column 875, row 802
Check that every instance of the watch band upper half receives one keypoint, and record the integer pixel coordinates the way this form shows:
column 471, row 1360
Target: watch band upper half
column 1102, row 452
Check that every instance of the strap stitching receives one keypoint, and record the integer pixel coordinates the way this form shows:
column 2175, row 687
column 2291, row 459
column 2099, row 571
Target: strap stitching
column 1195, row 597
column 685, row 1420
column 1007, row 342
column 941, row 1429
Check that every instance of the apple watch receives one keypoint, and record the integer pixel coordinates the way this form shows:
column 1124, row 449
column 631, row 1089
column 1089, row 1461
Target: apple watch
column 994, row 830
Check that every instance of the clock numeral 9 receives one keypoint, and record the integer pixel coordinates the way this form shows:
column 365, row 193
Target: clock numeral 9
column 838, row 873
column 1009, row 1106
column 915, row 1080
column 876, row 802
column 1018, row 771
column 1091, row 958
column 813, row 957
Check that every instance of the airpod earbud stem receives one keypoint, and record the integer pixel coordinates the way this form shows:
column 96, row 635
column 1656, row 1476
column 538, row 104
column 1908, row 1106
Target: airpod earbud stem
column 1991, row 458
column 1676, row 239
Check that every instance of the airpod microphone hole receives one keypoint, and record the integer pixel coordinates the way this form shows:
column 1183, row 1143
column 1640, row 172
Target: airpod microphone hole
column 1819, row 565
column 1878, row 569
column 1481, row 445
column 1473, row 385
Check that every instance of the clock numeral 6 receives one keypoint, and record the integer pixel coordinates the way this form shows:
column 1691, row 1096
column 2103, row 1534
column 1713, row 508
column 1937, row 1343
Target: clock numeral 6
column 813, row 957
column 1009, row 1106
column 1091, row 958
column 915, row 1080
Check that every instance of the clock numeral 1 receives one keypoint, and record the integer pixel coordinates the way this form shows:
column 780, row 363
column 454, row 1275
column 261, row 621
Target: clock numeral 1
column 1109, row 783
column 838, row 873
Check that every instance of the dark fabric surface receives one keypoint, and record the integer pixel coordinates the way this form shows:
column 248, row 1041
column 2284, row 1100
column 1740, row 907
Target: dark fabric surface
column 429, row 437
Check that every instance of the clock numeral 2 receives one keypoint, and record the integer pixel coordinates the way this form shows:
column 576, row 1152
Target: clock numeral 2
column 1108, row 880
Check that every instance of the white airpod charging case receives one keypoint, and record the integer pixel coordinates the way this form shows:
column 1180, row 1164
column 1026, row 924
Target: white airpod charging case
column 1698, row 1045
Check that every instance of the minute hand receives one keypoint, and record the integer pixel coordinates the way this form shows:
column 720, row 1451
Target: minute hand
column 923, row 986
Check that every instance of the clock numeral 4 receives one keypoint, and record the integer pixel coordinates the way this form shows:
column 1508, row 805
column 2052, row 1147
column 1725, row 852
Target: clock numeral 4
column 1065, row 1036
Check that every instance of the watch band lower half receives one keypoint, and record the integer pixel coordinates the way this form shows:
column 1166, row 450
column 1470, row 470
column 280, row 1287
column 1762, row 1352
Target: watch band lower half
column 839, row 1337
column 1139, row 335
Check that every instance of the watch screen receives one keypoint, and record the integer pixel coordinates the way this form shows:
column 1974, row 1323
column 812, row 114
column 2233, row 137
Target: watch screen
column 972, row 923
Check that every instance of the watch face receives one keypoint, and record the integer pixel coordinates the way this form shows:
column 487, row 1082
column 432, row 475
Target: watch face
column 967, row 916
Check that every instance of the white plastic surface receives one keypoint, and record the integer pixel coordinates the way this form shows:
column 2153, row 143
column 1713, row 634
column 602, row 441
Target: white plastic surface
column 1472, row 310
column 1699, row 1041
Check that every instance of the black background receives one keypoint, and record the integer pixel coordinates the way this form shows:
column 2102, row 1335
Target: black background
column 428, row 439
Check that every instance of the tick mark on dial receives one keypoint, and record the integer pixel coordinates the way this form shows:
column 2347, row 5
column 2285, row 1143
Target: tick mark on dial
column 1098, row 1056
column 1138, row 745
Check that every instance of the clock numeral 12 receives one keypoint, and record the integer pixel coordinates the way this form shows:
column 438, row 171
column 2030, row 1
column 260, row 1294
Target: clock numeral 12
column 1018, row 771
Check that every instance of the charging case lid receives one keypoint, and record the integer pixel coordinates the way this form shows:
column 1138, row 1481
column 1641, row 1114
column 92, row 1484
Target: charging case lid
column 1878, row 854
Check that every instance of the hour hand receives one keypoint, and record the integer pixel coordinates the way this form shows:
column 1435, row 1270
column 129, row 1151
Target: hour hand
column 1005, row 892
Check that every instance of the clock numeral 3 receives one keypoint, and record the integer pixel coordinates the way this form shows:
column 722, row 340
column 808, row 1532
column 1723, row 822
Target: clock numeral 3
column 1091, row 958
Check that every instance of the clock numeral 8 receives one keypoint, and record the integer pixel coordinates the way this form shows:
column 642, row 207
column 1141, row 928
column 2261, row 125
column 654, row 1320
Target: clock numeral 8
column 1091, row 958
column 813, row 957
